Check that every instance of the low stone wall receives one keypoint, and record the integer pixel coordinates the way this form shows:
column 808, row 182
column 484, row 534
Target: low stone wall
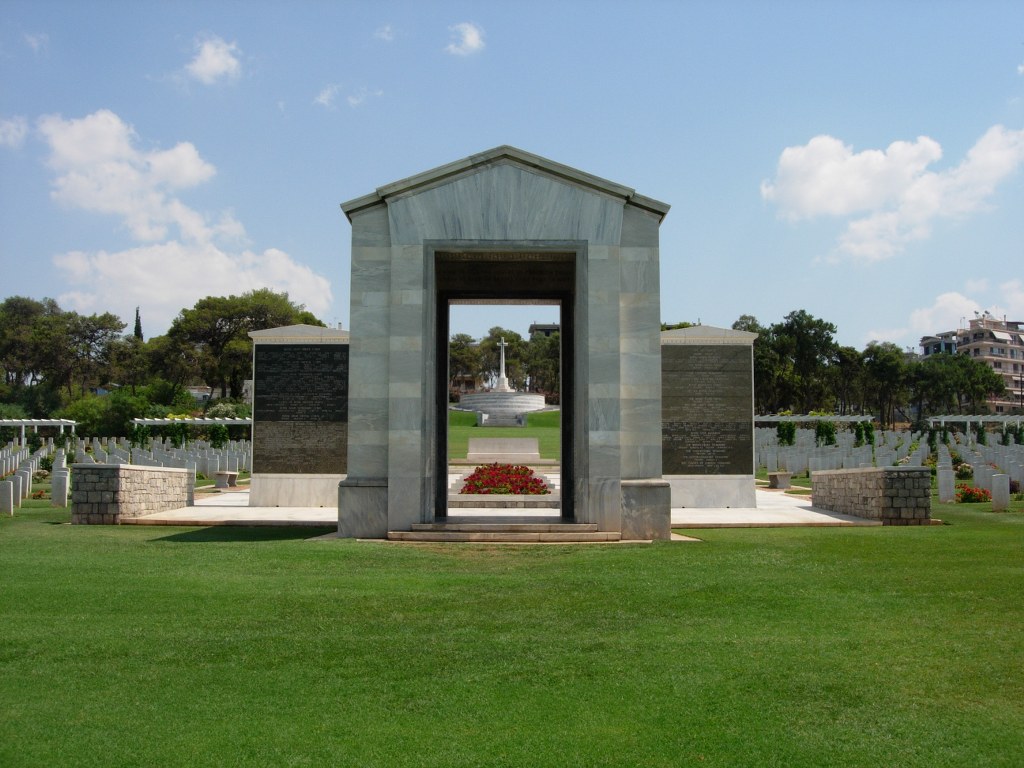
column 106, row 494
column 894, row 495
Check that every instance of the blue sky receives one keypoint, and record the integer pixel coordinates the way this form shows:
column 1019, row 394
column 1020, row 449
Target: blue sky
column 863, row 161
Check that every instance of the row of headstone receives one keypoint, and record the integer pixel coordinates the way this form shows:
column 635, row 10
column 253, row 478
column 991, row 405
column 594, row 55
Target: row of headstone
column 197, row 456
column 19, row 466
column 891, row 448
column 995, row 468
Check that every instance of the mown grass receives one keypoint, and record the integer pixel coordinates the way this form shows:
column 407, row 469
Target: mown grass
column 788, row 647
column 545, row 426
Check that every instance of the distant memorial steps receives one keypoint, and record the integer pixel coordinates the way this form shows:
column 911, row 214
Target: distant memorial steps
column 502, row 408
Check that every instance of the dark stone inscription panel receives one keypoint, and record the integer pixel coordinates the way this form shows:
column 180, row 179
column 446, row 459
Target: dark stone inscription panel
column 706, row 410
column 300, row 409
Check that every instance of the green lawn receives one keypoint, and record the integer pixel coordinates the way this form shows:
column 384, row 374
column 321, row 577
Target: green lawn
column 544, row 426
column 128, row 646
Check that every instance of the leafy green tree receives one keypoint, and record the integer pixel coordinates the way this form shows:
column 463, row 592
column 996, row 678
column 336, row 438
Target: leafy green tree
column 91, row 339
column 129, row 362
column 543, row 362
column 887, row 378
column 90, row 413
column 806, row 347
column 463, row 359
column 766, row 365
column 22, row 351
column 846, row 379
column 218, row 328
column 978, row 382
column 174, row 362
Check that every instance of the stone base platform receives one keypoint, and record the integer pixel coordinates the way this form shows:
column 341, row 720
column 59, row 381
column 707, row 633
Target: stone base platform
column 507, row 531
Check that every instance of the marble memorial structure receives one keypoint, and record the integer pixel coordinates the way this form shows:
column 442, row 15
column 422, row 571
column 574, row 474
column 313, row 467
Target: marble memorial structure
column 300, row 416
column 504, row 226
column 707, row 403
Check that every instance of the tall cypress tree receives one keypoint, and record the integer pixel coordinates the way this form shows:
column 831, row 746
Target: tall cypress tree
column 138, row 325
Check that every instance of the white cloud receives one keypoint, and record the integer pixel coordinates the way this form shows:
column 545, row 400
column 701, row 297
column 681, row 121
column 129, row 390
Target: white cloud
column 215, row 60
column 327, row 95
column 162, row 279
column 39, row 42
column 100, row 169
column 467, row 39
column 385, row 33
column 945, row 314
column 185, row 254
column 900, row 197
column 358, row 98
column 952, row 310
column 1020, row 69
column 825, row 177
column 13, row 132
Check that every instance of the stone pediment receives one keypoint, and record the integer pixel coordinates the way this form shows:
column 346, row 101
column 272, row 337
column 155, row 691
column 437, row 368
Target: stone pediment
column 504, row 156
column 300, row 334
column 707, row 334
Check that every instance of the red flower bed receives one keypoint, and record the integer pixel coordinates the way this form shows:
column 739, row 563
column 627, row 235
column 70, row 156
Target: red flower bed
column 504, row 479
column 964, row 493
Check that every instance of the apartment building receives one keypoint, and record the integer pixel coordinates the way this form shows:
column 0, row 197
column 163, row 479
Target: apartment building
column 997, row 343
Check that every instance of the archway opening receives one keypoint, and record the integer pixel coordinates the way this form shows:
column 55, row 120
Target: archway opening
column 487, row 278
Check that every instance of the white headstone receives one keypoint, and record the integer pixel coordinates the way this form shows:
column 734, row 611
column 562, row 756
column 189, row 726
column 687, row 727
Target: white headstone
column 1000, row 493
column 6, row 497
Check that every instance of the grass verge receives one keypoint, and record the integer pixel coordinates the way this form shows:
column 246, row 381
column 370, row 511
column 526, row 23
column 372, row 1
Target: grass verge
column 789, row 647
column 544, row 426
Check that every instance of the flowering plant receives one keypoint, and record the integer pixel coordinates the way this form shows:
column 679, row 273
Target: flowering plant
column 965, row 493
column 504, row 479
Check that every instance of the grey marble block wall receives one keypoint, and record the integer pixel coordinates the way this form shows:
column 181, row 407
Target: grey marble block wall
column 362, row 503
column 514, row 202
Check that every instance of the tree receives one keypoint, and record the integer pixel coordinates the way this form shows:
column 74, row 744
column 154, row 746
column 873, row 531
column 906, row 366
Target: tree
column 129, row 363
column 543, row 362
column 138, row 325
column 23, row 345
column 978, row 383
column 174, row 364
column 766, row 364
column 219, row 327
column 463, row 359
column 806, row 348
column 846, row 375
column 91, row 338
column 887, row 378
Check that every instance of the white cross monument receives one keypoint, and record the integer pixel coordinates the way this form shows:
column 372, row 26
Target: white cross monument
column 502, row 385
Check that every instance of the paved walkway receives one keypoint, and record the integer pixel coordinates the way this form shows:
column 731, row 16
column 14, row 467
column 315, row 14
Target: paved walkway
column 774, row 509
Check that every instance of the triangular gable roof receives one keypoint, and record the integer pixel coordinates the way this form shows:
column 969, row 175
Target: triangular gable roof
column 496, row 156
column 707, row 334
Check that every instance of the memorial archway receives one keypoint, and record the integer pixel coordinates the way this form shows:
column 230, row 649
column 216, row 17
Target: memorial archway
column 505, row 224
column 516, row 274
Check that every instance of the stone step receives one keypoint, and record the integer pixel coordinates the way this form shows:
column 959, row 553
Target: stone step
column 508, row 537
column 480, row 527
column 485, row 501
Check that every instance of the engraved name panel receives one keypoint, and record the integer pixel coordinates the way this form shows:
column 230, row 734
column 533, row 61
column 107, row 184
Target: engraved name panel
column 300, row 408
column 707, row 413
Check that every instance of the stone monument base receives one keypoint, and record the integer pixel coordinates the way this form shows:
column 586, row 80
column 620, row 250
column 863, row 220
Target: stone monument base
column 646, row 512
column 502, row 406
column 712, row 491
column 274, row 490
